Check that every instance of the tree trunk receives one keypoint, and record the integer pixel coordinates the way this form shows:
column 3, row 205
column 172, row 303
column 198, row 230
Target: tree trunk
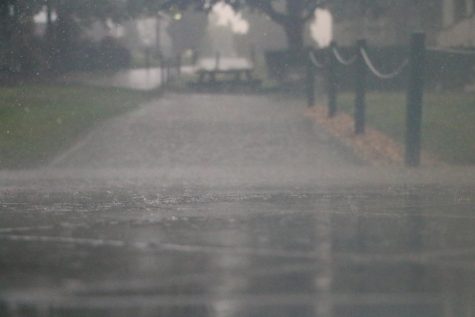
column 295, row 25
column 294, row 31
column 49, row 17
column 4, row 22
column 64, row 37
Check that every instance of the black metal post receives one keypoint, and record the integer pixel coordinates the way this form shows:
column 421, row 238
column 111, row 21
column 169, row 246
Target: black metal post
column 310, row 82
column 158, row 44
column 165, row 72
column 49, row 16
column 162, row 72
column 169, row 75
column 360, row 88
column 332, row 82
column 217, row 60
column 147, row 58
column 415, row 94
column 194, row 57
column 252, row 55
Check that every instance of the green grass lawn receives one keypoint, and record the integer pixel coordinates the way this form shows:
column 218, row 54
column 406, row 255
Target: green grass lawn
column 38, row 121
column 448, row 121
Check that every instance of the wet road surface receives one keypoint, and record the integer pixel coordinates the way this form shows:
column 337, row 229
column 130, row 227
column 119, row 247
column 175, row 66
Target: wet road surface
column 232, row 206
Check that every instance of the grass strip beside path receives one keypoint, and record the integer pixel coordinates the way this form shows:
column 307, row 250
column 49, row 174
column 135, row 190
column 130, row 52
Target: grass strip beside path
column 37, row 121
column 448, row 130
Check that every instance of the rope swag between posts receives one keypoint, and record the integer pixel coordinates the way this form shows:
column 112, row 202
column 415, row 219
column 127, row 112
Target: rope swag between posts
column 363, row 65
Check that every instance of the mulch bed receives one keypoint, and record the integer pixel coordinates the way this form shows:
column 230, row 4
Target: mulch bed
column 374, row 146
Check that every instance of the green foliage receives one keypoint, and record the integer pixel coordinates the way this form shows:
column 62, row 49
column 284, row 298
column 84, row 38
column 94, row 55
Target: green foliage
column 38, row 121
column 448, row 127
column 22, row 52
column 63, row 34
column 291, row 15
column 89, row 10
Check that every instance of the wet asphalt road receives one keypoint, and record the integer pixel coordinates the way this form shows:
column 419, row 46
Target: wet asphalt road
column 210, row 205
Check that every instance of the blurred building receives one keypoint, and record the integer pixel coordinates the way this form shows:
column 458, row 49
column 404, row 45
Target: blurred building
column 389, row 26
column 458, row 28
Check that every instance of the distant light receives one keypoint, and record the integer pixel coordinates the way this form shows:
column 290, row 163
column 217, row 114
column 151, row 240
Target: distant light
column 321, row 27
column 177, row 16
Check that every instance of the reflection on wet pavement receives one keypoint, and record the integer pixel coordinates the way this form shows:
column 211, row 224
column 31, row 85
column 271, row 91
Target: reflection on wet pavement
column 400, row 251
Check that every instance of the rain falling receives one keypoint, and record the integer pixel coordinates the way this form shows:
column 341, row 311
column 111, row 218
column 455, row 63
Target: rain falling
column 227, row 158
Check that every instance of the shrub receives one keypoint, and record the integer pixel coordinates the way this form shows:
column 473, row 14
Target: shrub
column 108, row 54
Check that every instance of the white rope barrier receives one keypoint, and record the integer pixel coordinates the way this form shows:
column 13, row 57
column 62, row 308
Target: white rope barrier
column 380, row 74
column 342, row 60
column 314, row 60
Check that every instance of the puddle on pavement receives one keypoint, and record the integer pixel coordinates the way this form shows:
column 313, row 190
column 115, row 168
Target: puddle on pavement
column 366, row 251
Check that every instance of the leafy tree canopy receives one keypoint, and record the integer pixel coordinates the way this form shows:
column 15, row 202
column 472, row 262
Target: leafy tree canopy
column 291, row 15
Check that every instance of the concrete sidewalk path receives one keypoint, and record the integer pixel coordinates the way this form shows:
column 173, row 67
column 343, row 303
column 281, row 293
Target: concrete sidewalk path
column 198, row 134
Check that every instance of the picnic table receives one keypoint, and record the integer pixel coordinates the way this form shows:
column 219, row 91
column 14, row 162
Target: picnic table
column 212, row 70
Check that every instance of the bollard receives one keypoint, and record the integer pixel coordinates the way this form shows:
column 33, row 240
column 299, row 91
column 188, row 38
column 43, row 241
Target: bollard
column 252, row 55
column 165, row 72
column 147, row 58
column 360, row 89
column 195, row 57
column 168, row 68
column 162, row 72
column 415, row 94
column 310, row 83
column 217, row 61
column 178, row 64
column 332, row 82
